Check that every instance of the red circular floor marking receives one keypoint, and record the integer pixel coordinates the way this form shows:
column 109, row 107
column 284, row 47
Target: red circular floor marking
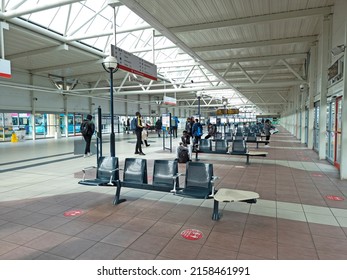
column 191, row 234
column 72, row 213
column 334, row 197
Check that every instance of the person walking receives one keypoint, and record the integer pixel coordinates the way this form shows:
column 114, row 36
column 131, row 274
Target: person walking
column 87, row 130
column 138, row 132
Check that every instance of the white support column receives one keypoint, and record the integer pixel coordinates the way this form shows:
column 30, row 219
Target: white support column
column 311, row 91
column 33, row 100
column 343, row 164
column 66, row 119
column 323, row 87
column 302, row 110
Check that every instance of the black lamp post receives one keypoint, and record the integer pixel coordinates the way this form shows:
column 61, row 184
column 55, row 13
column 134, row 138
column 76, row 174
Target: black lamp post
column 110, row 65
column 198, row 95
column 225, row 119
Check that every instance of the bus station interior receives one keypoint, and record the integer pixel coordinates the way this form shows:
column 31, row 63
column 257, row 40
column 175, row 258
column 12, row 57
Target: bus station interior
column 284, row 60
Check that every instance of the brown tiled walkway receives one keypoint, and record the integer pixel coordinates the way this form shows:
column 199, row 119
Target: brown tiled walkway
column 293, row 219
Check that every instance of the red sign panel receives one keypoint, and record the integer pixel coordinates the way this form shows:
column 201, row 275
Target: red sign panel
column 72, row 213
column 191, row 234
column 334, row 197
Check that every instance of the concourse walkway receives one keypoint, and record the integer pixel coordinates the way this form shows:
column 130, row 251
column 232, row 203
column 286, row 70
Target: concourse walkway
column 45, row 214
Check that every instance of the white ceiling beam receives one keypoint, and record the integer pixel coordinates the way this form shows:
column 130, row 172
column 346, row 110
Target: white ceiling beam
column 255, row 44
column 259, row 68
column 35, row 8
column 256, row 58
column 145, row 15
column 204, row 74
column 55, row 36
column 252, row 20
column 164, row 90
column 62, row 47
column 17, row 5
column 267, row 71
column 186, row 77
column 244, row 72
column 268, row 84
column 296, row 74
column 87, row 20
column 64, row 66
column 107, row 33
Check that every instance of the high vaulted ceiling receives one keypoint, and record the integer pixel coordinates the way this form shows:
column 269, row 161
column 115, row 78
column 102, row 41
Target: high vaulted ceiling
column 250, row 52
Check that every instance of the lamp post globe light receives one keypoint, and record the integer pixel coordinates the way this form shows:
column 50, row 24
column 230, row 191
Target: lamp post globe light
column 110, row 64
column 198, row 95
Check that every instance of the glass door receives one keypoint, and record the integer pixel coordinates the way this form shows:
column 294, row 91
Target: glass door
column 330, row 134
column 338, row 121
column 306, row 125
column 316, row 127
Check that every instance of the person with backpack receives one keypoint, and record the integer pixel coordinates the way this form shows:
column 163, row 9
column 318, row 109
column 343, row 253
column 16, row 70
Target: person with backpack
column 197, row 132
column 184, row 150
column 138, row 132
column 87, row 130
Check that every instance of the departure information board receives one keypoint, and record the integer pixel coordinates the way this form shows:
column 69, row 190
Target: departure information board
column 134, row 64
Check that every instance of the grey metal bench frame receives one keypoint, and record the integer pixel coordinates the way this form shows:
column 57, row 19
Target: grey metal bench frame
column 135, row 176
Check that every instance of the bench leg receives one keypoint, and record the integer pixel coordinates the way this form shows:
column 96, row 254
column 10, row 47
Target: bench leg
column 216, row 215
column 247, row 160
column 116, row 199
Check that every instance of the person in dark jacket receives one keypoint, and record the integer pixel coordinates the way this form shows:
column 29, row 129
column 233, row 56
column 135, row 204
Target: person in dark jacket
column 138, row 132
column 197, row 131
column 267, row 128
column 158, row 126
column 87, row 129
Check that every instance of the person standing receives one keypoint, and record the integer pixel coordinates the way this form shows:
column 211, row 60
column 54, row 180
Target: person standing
column 267, row 128
column 145, row 136
column 158, row 126
column 87, row 130
column 175, row 126
column 189, row 126
column 128, row 125
column 197, row 132
column 138, row 132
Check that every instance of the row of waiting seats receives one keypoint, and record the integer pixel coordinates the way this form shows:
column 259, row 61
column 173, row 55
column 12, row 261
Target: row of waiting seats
column 199, row 180
column 236, row 147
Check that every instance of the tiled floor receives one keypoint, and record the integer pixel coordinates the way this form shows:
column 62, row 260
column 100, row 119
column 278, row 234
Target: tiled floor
column 293, row 219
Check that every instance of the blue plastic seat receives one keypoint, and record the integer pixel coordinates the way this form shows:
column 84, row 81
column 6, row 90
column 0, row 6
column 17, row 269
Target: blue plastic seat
column 199, row 181
column 165, row 175
column 135, row 172
column 107, row 173
column 205, row 145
